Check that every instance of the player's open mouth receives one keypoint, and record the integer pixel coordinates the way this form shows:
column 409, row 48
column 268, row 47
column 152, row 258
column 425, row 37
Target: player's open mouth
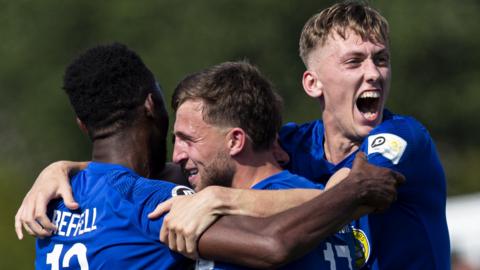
column 190, row 173
column 368, row 103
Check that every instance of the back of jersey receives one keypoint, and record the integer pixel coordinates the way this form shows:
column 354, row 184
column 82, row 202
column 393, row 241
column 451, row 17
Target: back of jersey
column 110, row 230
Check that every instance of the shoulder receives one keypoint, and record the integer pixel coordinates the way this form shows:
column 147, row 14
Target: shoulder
column 397, row 136
column 295, row 136
column 401, row 125
column 144, row 191
column 405, row 127
column 295, row 130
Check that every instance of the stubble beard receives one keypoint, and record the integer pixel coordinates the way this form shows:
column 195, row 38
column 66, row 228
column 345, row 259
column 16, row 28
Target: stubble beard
column 219, row 172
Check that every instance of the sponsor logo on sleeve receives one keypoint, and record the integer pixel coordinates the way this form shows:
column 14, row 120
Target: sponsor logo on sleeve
column 388, row 145
column 182, row 190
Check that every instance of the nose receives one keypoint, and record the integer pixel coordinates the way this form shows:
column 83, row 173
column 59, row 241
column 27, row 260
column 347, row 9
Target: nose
column 371, row 70
column 179, row 154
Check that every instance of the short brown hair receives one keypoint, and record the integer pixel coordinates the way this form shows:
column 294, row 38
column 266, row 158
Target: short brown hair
column 357, row 16
column 235, row 94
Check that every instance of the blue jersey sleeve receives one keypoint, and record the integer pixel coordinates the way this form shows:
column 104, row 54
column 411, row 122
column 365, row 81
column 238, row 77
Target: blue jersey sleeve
column 403, row 144
column 150, row 194
column 155, row 196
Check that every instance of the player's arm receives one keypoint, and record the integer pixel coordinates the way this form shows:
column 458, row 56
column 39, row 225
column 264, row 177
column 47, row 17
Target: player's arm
column 273, row 241
column 189, row 216
column 52, row 183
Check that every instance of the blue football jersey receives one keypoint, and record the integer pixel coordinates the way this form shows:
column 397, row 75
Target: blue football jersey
column 412, row 233
column 110, row 230
column 335, row 252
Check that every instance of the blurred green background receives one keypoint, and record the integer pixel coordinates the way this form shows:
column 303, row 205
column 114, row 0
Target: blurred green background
column 435, row 59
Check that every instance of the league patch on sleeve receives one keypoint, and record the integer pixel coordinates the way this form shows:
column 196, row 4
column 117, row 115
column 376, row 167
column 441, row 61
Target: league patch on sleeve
column 182, row 190
column 388, row 145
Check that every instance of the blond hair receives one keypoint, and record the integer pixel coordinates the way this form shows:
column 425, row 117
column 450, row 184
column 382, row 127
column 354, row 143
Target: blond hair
column 362, row 19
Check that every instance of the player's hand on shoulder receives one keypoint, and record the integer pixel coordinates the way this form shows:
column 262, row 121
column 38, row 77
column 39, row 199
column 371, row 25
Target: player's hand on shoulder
column 188, row 218
column 52, row 183
column 374, row 186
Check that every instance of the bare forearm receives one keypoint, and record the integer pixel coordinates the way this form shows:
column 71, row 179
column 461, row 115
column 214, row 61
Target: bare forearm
column 273, row 241
column 260, row 203
column 304, row 227
column 241, row 240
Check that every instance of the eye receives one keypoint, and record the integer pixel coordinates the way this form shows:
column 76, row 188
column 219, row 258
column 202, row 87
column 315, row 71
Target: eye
column 353, row 62
column 181, row 139
column 382, row 60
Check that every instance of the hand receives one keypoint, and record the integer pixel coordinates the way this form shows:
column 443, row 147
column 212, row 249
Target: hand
column 52, row 183
column 188, row 218
column 375, row 186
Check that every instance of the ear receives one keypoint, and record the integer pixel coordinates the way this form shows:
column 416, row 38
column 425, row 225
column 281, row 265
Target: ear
column 82, row 126
column 149, row 105
column 236, row 139
column 312, row 84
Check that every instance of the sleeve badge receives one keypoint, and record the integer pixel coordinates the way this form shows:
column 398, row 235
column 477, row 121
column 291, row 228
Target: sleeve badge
column 388, row 145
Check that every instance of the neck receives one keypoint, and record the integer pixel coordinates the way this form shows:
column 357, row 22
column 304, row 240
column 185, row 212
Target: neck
column 130, row 148
column 254, row 167
column 337, row 146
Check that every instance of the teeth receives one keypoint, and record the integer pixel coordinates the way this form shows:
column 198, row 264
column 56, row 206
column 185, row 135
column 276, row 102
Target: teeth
column 370, row 94
column 192, row 172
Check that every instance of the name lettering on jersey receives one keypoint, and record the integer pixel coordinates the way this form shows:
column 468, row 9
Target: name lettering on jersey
column 72, row 224
column 182, row 190
column 388, row 145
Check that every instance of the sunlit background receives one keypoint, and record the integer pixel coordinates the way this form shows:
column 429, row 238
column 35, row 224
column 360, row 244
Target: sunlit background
column 436, row 78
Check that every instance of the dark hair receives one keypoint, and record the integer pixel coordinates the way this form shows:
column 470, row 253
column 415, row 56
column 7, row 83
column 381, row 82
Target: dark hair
column 235, row 94
column 106, row 84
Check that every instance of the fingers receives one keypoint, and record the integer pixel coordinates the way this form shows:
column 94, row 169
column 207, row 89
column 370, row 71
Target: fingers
column 172, row 242
column 180, row 242
column 360, row 158
column 18, row 224
column 67, row 196
column 400, row 178
column 33, row 218
column 35, row 229
column 164, row 232
column 160, row 209
column 27, row 229
column 38, row 223
column 40, row 216
column 191, row 248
